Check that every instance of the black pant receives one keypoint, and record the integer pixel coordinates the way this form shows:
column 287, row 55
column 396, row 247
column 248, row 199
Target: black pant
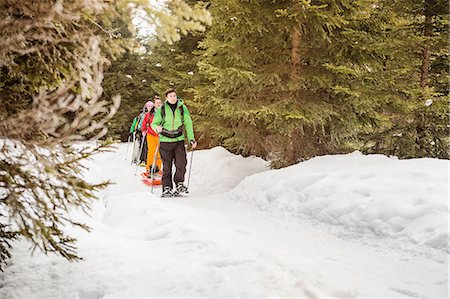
column 144, row 150
column 170, row 152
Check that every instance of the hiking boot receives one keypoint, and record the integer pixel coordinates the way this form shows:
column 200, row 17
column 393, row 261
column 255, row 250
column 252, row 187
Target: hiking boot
column 167, row 192
column 181, row 188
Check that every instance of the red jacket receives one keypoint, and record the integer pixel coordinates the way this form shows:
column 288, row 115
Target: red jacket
column 146, row 124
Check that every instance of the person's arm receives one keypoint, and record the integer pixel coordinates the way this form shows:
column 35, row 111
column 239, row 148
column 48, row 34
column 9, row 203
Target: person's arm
column 149, row 127
column 188, row 125
column 157, row 119
column 134, row 125
column 145, row 123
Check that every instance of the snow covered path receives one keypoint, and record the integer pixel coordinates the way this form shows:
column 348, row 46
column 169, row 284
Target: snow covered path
column 210, row 246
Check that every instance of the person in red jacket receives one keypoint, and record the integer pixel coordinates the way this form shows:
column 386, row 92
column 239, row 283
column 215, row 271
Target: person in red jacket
column 152, row 136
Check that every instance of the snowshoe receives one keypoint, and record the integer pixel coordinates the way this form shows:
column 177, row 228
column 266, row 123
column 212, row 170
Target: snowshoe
column 148, row 180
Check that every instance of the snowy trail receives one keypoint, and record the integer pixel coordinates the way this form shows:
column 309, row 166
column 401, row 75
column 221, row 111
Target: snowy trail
column 319, row 264
column 309, row 260
column 208, row 246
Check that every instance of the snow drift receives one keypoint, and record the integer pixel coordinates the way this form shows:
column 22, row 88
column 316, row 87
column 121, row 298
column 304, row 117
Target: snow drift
column 366, row 194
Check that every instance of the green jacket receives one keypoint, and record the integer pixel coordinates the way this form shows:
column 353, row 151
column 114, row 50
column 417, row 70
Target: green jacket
column 133, row 125
column 172, row 122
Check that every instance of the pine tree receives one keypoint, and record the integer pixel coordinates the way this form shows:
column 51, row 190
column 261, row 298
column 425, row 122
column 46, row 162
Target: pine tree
column 51, row 72
column 416, row 79
column 129, row 77
column 175, row 65
column 163, row 61
column 285, row 80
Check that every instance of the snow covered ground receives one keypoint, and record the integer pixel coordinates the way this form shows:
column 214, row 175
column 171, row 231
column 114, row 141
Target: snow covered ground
column 343, row 226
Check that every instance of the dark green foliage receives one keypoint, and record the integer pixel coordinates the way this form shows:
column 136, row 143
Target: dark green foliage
column 50, row 75
column 130, row 77
column 41, row 197
column 174, row 66
column 7, row 236
column 352, row 81
column 418, row 37
column 152, row 72
column 166, row 62
column 52, row 60
column 252, row 103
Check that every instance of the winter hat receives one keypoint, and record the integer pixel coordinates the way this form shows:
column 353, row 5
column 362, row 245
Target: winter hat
column 149, row 105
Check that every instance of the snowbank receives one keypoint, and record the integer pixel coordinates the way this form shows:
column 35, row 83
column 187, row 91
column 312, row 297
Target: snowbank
column 217, row 170
column 364, row 193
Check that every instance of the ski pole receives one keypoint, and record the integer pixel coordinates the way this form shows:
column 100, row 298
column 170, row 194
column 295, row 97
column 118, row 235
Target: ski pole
column 140, row 152
column 128, row 145
column 190, row 167
column 134, row 147
column 152, row 169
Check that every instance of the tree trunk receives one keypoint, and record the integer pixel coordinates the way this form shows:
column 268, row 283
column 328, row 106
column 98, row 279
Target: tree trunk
column 425, row 70
column 295, row 52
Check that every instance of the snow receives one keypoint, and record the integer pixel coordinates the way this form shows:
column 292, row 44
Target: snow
column 402, row 199
column 341, row 226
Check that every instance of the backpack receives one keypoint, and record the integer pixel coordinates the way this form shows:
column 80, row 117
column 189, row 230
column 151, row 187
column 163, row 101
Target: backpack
column 175, row 133
column 163, row 113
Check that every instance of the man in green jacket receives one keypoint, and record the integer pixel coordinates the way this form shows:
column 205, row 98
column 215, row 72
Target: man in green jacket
column 170, row 121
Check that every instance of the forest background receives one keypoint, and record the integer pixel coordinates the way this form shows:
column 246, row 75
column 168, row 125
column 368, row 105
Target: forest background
column 283, row 80
column 290, row 80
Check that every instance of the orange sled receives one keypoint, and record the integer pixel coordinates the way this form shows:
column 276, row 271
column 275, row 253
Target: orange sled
column 148, row 181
